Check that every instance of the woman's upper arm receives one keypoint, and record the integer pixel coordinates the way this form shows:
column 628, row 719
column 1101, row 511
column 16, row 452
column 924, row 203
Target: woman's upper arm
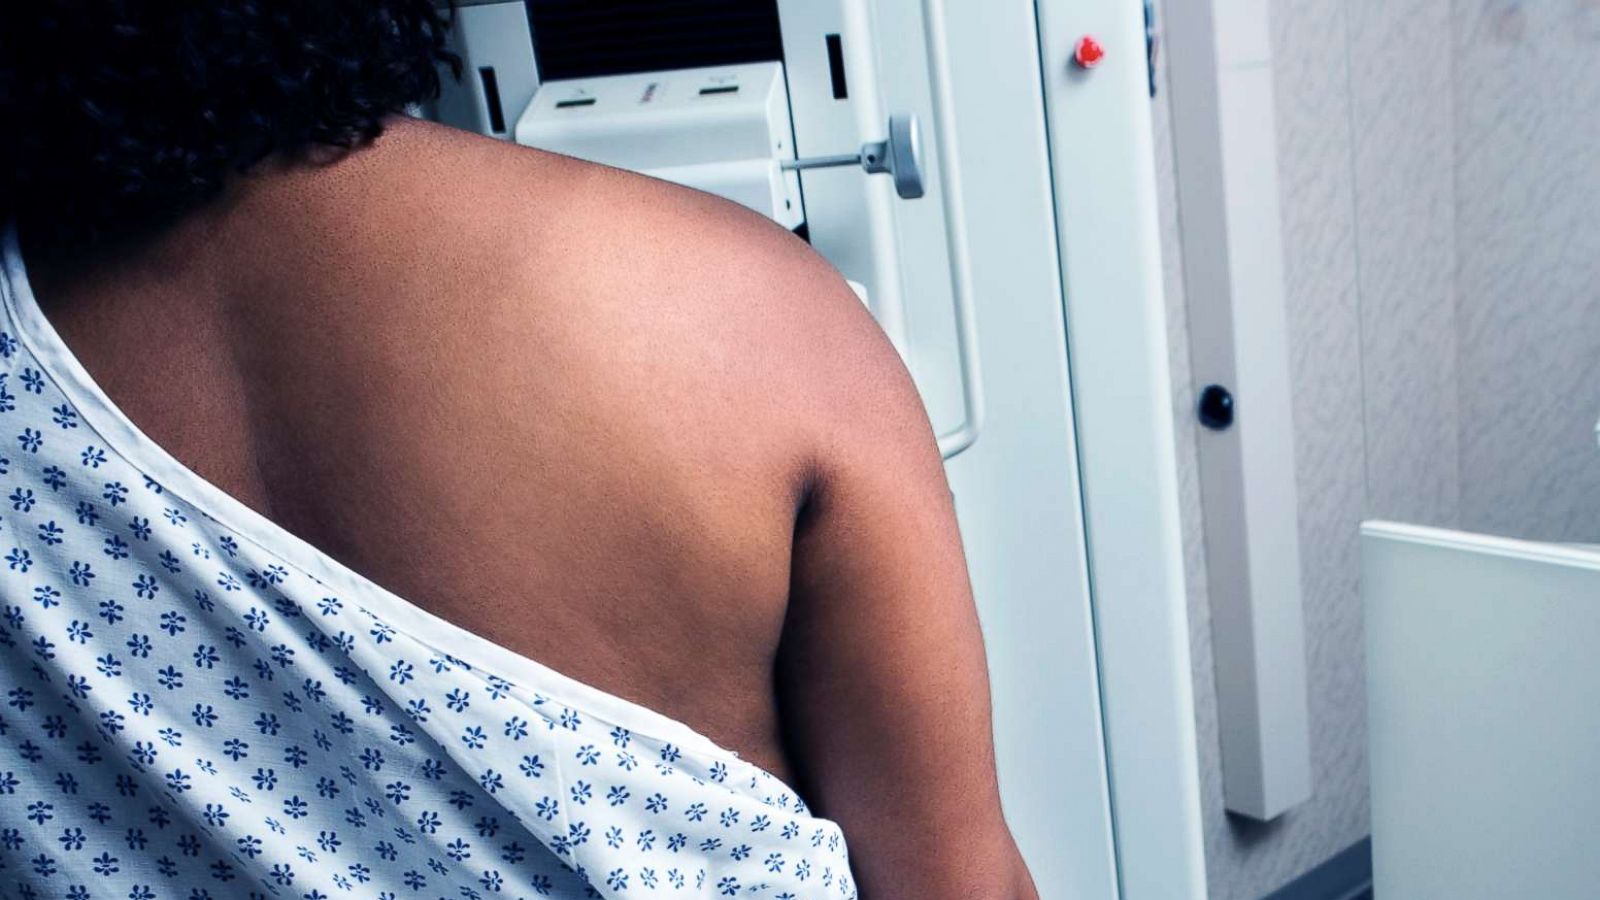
column 881, row 672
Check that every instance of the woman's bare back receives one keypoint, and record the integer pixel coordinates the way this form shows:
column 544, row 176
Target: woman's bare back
column 635, row 433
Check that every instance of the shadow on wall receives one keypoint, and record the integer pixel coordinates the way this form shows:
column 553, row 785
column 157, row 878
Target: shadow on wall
column 1347, row 876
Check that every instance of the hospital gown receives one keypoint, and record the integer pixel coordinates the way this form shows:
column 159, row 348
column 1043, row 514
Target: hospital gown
column 196, row 705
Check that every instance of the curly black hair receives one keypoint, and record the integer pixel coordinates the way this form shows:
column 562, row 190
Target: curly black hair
column 122, row 115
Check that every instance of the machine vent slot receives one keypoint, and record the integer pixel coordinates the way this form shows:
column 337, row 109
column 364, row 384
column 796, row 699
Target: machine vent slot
column 586, row 38
column 841, row 91
column 491, row 99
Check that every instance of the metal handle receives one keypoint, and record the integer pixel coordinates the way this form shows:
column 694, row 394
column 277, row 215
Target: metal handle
column 899, row 155
column 962, row 436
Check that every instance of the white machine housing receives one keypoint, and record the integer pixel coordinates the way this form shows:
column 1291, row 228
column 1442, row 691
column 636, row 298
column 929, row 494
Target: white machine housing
column 849, row 217
column 724, row 130
column 498, row 72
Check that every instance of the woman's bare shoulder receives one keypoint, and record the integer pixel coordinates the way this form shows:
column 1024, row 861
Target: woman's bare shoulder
column 647, row 294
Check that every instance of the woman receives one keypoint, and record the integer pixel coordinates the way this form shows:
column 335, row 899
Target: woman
column 281, row 356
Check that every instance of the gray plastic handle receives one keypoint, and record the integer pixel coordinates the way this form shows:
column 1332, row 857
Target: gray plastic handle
column 899, row 156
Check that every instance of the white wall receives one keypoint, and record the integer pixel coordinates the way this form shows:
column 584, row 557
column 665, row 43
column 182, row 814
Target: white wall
column 1440, row 185
column 1527, row 149
column 1246, row 860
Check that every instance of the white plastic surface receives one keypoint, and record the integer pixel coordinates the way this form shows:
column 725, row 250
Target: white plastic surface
column 1017, row 490
column 1484, row 727
column 724, row 130
column 1223, row 137
column 496, row 36
column 936, row 34
column 1102, row 157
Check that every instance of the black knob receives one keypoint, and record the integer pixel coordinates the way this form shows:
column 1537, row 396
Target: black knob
column 1216, row 407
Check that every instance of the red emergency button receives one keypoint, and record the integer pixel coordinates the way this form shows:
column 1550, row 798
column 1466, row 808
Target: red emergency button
column 1089, row 53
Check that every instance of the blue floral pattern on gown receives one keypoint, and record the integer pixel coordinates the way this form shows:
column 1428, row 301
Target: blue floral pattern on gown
column 187, row 713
